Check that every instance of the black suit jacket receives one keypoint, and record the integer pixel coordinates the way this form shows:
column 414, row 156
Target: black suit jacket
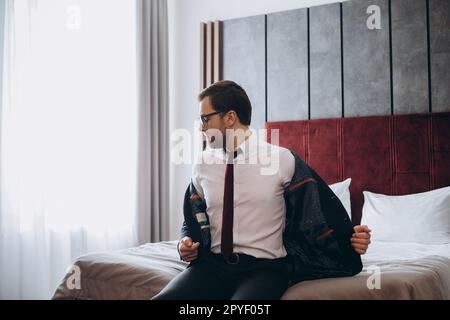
column 317, row 231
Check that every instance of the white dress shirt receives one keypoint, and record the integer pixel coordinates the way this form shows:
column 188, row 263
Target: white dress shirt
column 261, row 171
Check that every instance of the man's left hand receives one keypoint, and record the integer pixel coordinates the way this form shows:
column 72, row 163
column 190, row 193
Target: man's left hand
column 361, row 238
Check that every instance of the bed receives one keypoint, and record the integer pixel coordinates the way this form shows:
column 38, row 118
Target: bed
column 406, row 271
column 390, row 155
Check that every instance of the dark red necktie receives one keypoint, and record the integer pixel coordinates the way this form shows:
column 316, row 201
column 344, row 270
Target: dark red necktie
column 226, row 244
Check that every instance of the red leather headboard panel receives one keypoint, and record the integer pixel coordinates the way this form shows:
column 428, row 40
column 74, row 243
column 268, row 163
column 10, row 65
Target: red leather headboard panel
column 394, row 155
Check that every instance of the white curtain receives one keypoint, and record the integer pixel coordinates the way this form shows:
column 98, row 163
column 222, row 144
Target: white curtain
column 69, row 138
column 153, row 161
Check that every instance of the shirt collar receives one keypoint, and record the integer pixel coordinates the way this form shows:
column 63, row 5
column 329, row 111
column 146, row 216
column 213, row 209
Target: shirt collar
column 248, row 146
column 244, row 150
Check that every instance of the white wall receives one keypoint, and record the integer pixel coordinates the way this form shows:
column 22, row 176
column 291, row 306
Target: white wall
column 2, row 28
column 185, row 17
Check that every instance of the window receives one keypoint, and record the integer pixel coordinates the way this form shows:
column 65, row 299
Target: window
column 70, row 118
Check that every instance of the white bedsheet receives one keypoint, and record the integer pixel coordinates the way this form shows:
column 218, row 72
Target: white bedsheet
column 406, row 271
column 381, row 250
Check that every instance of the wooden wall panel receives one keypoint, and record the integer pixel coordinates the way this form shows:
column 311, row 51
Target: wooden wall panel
column 366, row 60
column 439, row 11
column 325, row 61
column 409, row 56
column 287, row 65
column 244, row 61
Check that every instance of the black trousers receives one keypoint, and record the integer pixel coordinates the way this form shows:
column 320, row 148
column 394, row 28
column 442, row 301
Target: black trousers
column 210, row 277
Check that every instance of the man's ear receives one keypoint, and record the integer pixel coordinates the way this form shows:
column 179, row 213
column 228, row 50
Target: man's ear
column 230, row 118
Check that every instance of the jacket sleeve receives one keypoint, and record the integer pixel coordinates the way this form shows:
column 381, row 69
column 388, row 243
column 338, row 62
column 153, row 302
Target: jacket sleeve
column 337, row 219
column 187, row 214
column 318, row 231
column 184, row 232
column 196, row 223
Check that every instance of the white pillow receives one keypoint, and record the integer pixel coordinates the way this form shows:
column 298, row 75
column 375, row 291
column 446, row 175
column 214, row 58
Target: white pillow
column 342, row 191
column 421, row 217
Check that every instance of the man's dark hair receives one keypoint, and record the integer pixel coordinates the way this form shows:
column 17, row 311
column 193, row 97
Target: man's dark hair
column 227, row 95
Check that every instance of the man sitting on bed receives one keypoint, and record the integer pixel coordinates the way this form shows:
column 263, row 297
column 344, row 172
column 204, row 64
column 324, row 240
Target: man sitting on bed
column 249, row 233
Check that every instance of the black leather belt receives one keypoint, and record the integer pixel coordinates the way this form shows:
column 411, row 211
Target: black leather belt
column 233, row 259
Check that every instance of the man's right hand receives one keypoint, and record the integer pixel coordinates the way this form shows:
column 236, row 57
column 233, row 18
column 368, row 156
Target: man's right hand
column 188, row 249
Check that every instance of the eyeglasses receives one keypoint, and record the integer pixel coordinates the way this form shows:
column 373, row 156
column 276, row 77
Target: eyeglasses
column 205, row 117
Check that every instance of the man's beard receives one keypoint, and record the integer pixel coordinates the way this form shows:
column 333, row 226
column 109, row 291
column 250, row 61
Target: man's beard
column 215, row 140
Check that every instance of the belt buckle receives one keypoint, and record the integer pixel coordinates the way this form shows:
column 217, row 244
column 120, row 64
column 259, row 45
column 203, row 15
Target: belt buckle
column 233, row 259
